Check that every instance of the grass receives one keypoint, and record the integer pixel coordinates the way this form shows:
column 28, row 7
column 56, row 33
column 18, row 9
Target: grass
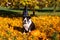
column 45, row 13
column 30, row 12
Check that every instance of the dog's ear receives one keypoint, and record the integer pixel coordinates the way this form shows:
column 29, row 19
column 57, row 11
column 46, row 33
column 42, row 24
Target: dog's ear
column 29, row 17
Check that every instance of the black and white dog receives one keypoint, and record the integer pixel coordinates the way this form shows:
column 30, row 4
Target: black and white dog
column 28, row 25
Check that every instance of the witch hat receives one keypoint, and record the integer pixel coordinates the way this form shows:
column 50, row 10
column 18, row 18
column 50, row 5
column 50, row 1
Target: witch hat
column 25, row 12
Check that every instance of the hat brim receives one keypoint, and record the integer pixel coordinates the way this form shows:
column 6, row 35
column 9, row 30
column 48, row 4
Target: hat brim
column 26, row 16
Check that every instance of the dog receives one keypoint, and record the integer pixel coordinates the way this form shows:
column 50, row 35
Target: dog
column 28, row 25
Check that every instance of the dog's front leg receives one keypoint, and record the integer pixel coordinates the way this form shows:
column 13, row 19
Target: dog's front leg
column 29, row 29
column 24, row 32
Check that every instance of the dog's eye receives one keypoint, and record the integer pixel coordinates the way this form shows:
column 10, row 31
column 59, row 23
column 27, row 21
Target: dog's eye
column 24, row 21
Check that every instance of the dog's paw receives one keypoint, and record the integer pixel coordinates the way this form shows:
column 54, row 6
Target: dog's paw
column 29, row 30
column 24, row 33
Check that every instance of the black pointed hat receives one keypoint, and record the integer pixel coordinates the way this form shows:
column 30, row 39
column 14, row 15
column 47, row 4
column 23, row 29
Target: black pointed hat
column 25, row 12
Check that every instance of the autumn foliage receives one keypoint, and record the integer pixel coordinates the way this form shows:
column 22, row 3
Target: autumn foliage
column 47, row 28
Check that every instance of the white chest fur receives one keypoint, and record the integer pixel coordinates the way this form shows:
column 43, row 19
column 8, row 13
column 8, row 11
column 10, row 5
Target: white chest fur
column 27, row 25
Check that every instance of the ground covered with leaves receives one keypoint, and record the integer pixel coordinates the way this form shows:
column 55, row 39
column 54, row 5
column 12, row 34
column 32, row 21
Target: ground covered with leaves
column 47, row 28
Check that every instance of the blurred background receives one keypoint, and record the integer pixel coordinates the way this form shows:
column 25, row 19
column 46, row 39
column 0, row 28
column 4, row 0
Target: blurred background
column 32, row 4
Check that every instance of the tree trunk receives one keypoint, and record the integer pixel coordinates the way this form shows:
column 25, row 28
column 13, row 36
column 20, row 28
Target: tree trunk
column 33, row 11
column 55, row 6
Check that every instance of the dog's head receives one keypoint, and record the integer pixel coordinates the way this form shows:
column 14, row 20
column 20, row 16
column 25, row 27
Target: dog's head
column 26, row 19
